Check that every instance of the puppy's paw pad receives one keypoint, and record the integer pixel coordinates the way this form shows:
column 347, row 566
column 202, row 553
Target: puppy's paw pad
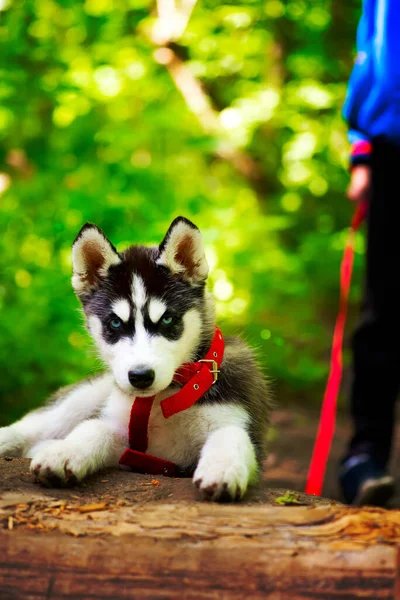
column 210, row 491
column 220, row 480
column 70, row 477
column 58, row 466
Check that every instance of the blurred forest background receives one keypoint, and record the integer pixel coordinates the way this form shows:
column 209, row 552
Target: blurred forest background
column 129, row 113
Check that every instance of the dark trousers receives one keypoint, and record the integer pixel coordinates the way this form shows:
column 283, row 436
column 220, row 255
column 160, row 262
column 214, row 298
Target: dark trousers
column 376, row 342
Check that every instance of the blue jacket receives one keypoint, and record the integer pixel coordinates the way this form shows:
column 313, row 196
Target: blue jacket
column 372, row 106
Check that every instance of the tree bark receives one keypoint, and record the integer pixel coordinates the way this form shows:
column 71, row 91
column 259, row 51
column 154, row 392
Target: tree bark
column 122, row 535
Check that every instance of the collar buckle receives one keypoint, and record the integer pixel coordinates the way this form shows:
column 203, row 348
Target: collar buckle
column 214, row 369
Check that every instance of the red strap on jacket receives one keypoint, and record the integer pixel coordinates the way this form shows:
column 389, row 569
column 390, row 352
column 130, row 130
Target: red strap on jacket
column 326, row 428
column 198, row 377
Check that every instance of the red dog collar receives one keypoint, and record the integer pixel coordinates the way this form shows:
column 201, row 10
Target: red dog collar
column 197, row 378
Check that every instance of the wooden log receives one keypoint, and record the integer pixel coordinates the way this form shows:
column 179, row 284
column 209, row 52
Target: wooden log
column 81, row 543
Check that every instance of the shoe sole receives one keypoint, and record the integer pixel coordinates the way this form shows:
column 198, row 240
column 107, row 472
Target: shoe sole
column 376, row 492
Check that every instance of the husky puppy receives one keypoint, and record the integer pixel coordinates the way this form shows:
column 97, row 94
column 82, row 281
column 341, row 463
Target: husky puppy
column 148, row 312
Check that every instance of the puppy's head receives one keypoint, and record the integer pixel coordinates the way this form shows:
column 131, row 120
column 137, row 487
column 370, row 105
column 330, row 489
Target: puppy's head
column 146, row 308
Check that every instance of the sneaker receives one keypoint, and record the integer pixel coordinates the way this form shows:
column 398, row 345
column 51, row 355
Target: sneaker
column 364, row 482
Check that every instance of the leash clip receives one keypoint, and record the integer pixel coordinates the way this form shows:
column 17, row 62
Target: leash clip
column 214, row 369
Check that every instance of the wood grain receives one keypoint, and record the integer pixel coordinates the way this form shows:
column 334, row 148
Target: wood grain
column 83, row 544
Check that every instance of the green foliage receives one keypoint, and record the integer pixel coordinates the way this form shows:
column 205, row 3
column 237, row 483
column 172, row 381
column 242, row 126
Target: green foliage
column 93, row 127
column 288, row 499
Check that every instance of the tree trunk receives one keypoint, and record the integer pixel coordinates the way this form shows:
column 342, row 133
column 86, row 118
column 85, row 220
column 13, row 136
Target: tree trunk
column 122, row 535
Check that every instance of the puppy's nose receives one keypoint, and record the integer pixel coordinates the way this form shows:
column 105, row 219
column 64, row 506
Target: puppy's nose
column 141, row 379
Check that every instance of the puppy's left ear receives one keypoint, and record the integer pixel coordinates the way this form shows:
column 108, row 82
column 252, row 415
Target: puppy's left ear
column 182, row 252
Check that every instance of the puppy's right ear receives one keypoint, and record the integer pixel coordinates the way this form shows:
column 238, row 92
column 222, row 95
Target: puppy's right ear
column 92, row 256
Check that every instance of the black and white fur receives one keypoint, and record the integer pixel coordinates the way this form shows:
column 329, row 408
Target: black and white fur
column 165, row 317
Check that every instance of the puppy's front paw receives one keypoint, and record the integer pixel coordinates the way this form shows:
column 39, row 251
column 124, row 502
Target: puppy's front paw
column 218, row 478
column 58, row 464
column 11, row 442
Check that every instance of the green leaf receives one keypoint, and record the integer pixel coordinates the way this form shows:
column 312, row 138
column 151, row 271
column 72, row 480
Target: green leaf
column 287, row 499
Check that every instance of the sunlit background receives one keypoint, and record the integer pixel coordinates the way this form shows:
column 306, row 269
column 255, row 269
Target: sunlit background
column 128, row 113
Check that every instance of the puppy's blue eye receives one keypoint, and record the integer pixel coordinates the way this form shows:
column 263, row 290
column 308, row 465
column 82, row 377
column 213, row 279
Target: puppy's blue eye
column 115, row 323
column 167, row 320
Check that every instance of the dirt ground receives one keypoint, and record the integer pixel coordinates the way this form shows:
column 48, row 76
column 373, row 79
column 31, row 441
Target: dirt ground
column 102, row 503
column 291, row 447
column 292, row 438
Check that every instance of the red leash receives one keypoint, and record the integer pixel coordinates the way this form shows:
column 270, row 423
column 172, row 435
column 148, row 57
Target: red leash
column 326, row 428
column 197, row 378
